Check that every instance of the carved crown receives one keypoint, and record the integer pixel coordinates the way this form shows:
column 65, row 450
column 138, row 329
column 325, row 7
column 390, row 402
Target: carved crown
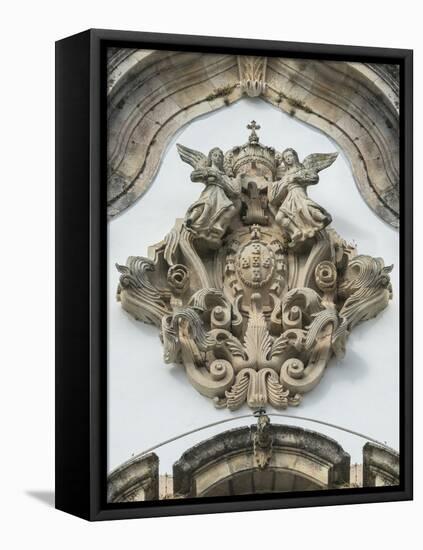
column 254, row 300
column 252, row 156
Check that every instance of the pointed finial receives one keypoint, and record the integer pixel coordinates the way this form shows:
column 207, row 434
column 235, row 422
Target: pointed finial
column 253, row 126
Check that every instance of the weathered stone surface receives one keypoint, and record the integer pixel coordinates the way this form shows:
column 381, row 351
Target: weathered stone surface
column 230, row 463
column 380, row 466
column 225, row 464
column 152, row 94
column 252, row 290
column 135, row 480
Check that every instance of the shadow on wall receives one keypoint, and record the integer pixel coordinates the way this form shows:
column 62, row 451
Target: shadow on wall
column 45, row 497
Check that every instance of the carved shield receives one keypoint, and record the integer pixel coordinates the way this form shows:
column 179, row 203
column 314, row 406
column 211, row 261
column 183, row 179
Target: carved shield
column 255, row 318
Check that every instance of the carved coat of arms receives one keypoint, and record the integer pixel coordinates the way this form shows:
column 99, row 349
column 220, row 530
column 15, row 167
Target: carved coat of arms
column 253, row 291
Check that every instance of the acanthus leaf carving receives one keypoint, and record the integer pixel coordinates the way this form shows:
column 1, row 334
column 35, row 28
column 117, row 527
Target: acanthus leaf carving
column 252, row 74
column 252, row 291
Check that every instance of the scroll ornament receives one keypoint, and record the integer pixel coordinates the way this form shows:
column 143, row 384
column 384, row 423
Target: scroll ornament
column 253, row 292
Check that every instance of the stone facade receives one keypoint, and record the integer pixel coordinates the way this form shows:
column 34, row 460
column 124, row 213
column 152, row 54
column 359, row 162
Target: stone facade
column 227, row 464
column 230, row 463
column 254, row 291
column 135, row 480
column 152, row 94
column 380, row 466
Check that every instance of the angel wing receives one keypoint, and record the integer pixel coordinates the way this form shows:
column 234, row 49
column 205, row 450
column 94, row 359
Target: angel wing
column 319, row 161
column 195, row 158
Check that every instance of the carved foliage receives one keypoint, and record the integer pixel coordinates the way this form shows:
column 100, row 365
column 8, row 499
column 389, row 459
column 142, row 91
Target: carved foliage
column 251, row 306
column 252, row 74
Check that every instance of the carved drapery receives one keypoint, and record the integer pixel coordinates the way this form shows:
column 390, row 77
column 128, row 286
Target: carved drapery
column 253, row 291
column 152, row 94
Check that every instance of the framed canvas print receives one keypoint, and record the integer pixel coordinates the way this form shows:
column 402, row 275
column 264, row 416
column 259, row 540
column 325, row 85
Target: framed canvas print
column 234, row 275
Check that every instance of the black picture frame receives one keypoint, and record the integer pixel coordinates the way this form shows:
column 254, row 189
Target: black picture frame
column 81, row 253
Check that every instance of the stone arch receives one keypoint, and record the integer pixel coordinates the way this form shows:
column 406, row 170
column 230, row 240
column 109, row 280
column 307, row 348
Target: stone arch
column 380, row 466
column 135, row 480
column 152, row 94
column 226, row 464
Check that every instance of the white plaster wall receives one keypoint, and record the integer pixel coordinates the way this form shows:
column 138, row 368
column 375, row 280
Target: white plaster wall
column 149, row 402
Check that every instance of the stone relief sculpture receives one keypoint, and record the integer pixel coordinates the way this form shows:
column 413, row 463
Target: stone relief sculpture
column 252, row 291
column 211, row 214
column 252, row 74
column 299, row 216
column 360, row 112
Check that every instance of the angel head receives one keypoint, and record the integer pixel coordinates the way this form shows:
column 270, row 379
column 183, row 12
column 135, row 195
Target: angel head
column 215, row 158
column 290, row 157
column 198, row 160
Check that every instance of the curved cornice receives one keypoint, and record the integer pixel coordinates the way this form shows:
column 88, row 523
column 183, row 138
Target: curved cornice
column 152, row 94
column 328, row 465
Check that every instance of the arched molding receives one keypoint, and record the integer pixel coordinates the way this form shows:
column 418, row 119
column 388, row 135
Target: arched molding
column 215, row 465
column 152, row 94
column 135, row 480
column 380, row 466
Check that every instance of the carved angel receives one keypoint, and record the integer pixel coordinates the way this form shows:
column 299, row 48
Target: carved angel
column 298, row 215
column 210, row 215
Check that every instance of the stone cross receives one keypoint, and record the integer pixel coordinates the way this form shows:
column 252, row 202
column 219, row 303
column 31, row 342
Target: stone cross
column 253, row 126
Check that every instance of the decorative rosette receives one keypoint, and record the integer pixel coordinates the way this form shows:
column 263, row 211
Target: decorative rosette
column 178, row 277
column 325, row 275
